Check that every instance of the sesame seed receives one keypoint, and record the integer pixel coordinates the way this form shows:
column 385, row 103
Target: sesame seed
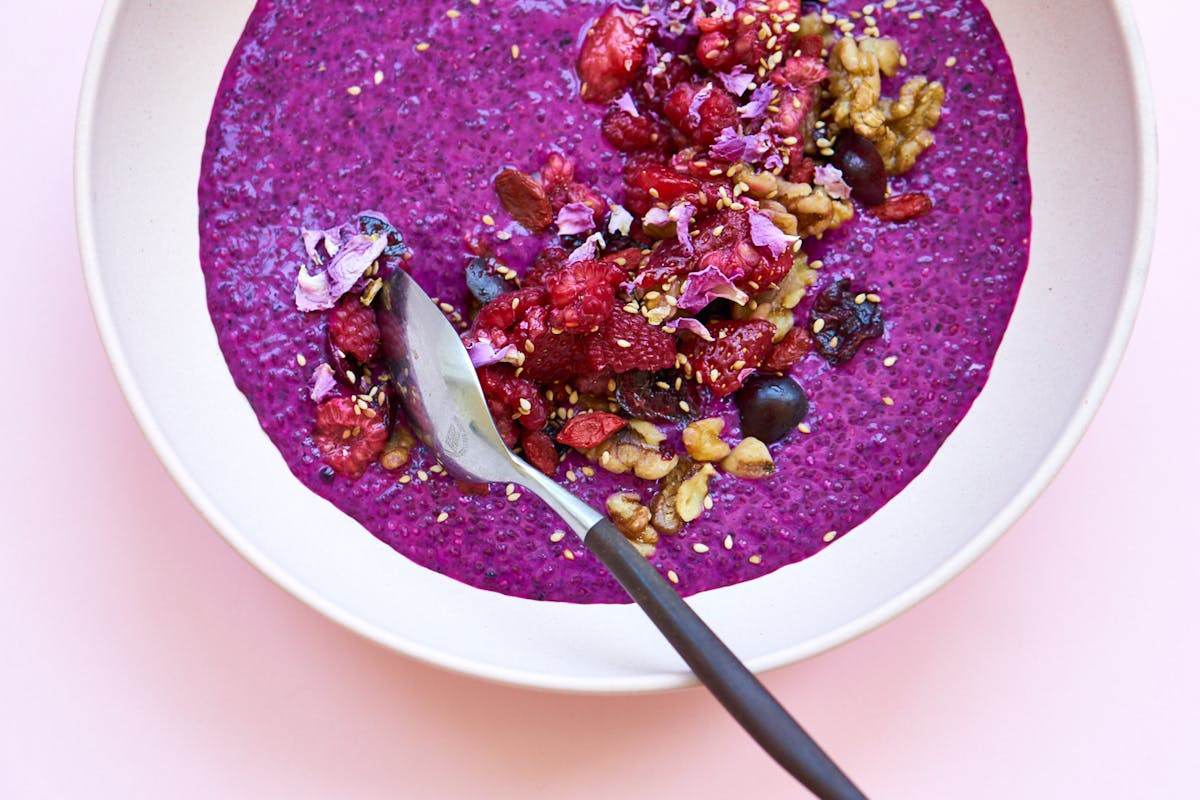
column 708, row 502
column 672, row 577
column 728, row 542
column 887, row 401
column 422, row 475
column 700, row 548
column 525, row 405
column 568, row 555
column 684, row 407
column 889, row 361
column 354, row 91
column 446, row 307
column 405, row 479
column 503, row 236
column 571, row 476
column 829, row 536
column 488, row 219
column 915, row 15
column 301, row 360
column 859, row 299
column 516, row 51
column 453, row 14
column 833, row 342
column 442, row 517
column 818, row 325
column 624, row 343
column 804, row 427
column 437, row 468
column 378, row 77
column 422, row 47
column 558, row 536
column 755, row 559
column 874, row 298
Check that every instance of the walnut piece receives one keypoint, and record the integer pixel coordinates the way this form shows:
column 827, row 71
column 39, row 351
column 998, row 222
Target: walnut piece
column 663, row 515
column 775, row 305
column 627, row 451
column 899, row 128
column 631, row 518
column 399, row 443
column 750, row 459
column 797, row 209
column 702, row 439
column 689, row 502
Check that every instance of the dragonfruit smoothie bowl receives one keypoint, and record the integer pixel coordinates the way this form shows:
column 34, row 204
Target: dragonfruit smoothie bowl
column 730, row 271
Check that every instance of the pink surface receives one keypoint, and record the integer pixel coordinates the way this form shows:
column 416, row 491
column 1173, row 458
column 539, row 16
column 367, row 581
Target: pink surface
column 143, row 658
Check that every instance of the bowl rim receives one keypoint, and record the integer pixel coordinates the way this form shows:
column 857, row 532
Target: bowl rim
column 1062, row 448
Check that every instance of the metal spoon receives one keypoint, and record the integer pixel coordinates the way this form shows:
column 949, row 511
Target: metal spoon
column 448, row 413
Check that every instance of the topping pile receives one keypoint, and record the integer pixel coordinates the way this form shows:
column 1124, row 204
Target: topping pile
column 744, row 130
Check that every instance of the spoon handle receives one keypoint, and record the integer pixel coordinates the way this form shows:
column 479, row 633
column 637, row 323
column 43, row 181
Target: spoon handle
column 755, row 708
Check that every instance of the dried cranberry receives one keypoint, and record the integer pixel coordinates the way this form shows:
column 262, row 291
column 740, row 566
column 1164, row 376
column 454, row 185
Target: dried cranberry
column 652, row 396
column 904, row 207
column 862, row 167
column 788, row 351
column 353, row 328
column 589, row 429
column 612, row 52
column 739, row 347
column 770, row 407
column 348, row 437
column 843, row 319
column 540, row 451
column 626, row 132
column 483, row 281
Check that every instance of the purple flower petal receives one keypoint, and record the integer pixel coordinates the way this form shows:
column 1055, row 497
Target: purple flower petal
column 708, row 284
column 682, row 213
column 737, row 81
column 626, row 104
column 729, row 146
column 312, row 291
column 689, row 324
column 698, row 99
column 323, row 383
column 830, row 177
column 773, row 161
column 725, row 9
column 575, row 218
column 483, row 352
column 587, row 250
column 352, row 260
column 764, row 233
column 756, row 107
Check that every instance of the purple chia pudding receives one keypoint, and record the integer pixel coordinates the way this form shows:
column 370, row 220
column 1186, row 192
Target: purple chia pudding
column 328, row 108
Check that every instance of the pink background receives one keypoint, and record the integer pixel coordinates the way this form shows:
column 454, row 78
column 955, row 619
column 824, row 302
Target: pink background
column 142, row 658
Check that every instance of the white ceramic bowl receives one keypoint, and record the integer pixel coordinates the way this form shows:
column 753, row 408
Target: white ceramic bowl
column 153, row 73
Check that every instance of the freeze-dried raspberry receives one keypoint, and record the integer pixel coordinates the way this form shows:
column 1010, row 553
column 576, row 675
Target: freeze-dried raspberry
column 737, row 349
column 613, row 50
column 713, row 113
column 353, row 328
column 582, row 294
column 349, row 437
column 626, row 132
column 788, row 351
column 625, row 342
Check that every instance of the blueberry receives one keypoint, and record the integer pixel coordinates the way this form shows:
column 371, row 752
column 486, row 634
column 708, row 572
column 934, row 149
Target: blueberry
column 771, row 406
column 862, row 167
column 483, row 281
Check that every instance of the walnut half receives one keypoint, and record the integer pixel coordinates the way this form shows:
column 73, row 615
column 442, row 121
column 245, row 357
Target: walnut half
column 750, row 459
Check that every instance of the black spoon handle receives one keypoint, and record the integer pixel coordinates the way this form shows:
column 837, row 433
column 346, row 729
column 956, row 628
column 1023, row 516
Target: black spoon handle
column 719, row 669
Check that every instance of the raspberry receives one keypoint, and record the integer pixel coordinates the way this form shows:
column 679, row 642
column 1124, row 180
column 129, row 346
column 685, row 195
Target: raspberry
column 716, row 112
column 788, row 351
column 505, row 310
column 802, row 170
column 722, row 241
column 504, row 392
column 547, row 260
column 353, row 329
column 738, row 349
column 560, row 186
column 667, row 186
column 589, row 429
column 582, row 294
column 658, row 79
column 626, row 132
column 539, row 451
column 347, row 437
column 625, row 342
column 724, row 43
column 847, row 319
column 612, row 52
